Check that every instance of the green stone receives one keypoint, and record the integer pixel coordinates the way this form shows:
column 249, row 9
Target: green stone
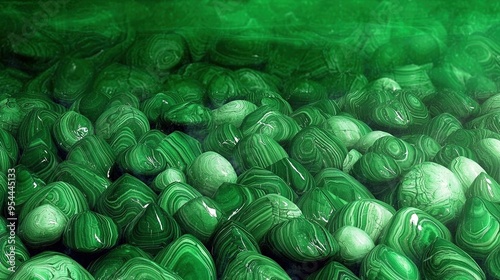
column 445, row 260
column 179, row 149
column 342, row 185
column 350, row 160
column 40, row 159
column 151, row 138
column 141, row 160
column 276, row 103
column 232, row 198
column 188, row 258
column 433, row 188
column 184, row 89
column 70, row 128
column 424, row 143
column 370, row 215
column 308, row 115
column 488, row 121
column 27, row 184
column 490, row 105
column 448, row 76
column 201, row 72
column 302, row 91
column 367, row 140
column 265, row 212
column 152, row 229
column 485, row 187
column 410, row 231
column 200, row 217
column 469, row 137
column 224, row 88
column 466, row 171
column 309, row 241
column 209, row 171
column 72, row 78
column 93, row 152
column 481, row 88
column 9, row 146
column 124, row 199
column 256, row 80
column 459, row 105
column 414, row 80
column 257, row 150
column 405, row 155
column 7, row 258
column 487, row 151
column 42, row 226
column 126, row 98
column 375, row 169
column 267, row 181
column 253, row 264
column 316, row 149
column 175, row 195
column 383, row 262
column 167, row 177
column 222, row 139
column 233, row 112
column 140, row 267
column 188, row 115
column 155, row 105
column 478, row 229
column 449, row 152
column 51, row 265
column 114, row 119
column 492, row 264
column 37, row 124
column 441, row 126
column 333, row 270
column 318, row 205
column 92, row 105
column 294, row 174
column 122, row 140
column 11, row 115
column 347, row 129
column 354, row 244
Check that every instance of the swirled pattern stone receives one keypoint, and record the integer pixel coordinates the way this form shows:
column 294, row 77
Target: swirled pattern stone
column 11, row 258
column 167, row 177
column 70, row 128
column 208, row 171
column 42, row 226
column 294, row 174
column 441, row 126
column 257, row 150
column 405, row 155
column 222, row 139
column 140, row 268
column 466, row 170
column 485, row 187
column 487, row 151
column 250, row 265
column 179, row 149
column 233, row 112
column 383, row 262
column 93, row 152
column 492, row 264
column 232, row 198
column 267, row 181
column 141, row 160
column 333, row 270
column 424, row 143
column 175, row 195
column 449, row 152
column 349, row 130
column 354, row 244
column 367, row 140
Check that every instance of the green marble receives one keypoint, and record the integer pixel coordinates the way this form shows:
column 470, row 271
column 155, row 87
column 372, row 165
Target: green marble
column 433, row 188
column 124, row 199
column 185, row 89
column 51, row 265
column 405, row 155
column 73, row 77
column 342, row 185
column 250, row 265
column 294, row 174
column 114, row 119
column 316, row 148
column 233, row 112
column 152, row 229
column 308, row 115
column 309, row 241
column 232, row 198
column 264, row 120
column 367, row 140
column 40, row 159
column 11, row 114
column 375, row 169
column 27, row 185
column 179, row 149
column 9, row 146
column 352, row 157
column 441, row 126
column 176, row 194
column 257, row 150
column 70, row 128
column 276, row 103
column 459, row 105
column 487, row 121
column 333, row 270
column 410, row 231
column 490, row 105
column 413, row 79
column 167, row 177
column 354, row 244
column 93, row 152
column 200, row 217
column 142, row 268
column 12, row 256
column 224, row 88
column 42, row 226
column 141, row 160
column 449, row 152
column 155, row 105
column 424, row 143
column 491, row 265
column 188, row 258
column 302, row 91
column 266, row 212
column 318, row 205
column 383, row 262
column 487, row 151
column 208, row 171
column 444, row 260
column 478, row 229
column 466, row 171
column 469, row 137
column 267, row 181
column 222, row 139
column 349, row 130
column 485, row 187
column 188, row 115
column 370, row 215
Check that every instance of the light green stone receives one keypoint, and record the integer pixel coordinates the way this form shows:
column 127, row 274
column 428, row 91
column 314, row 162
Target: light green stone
column 333, row 270
column 42, row 226
column 167, row 177
column 487, row 151
column 354, row 244
column 233, row 112
column 466, row 171
column 367, row 140
column 347, row 129
column 175, row 195
column 253, row 265
column 208, row 171
column 485, row 187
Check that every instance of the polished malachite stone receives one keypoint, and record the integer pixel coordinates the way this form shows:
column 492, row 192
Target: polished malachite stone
column 37, row 124
column 158, row 103
column 151, row 138
column 200, row 217
column 11, row 114
column 124, row 199
column 478, row 229
column 42, row 226
column 370, row 215
column 267, row 181
column 167, row 177
column 70, row 128
column 233, row 112
column 51, row 265
column 9, row 146
column 375, row 169
column 434, row 189
column 90, row 232
column 444, row 260
column 352, row 157
column 92, row 105
column 354, row 244
column 40, row 159
column 222, row 139
column 414, row 80
column 141, row 160
column 114, row 119
column 188, row 115
column 485, row 187
column 466, row 170
column 126, row 98
column 410, row 231
column 342, row 185
column 175, row 195
column 308, row 115
column 152, row 229
column 481, row 88
column 294, row 174
column 441, row 126
column 106, row 265
column 301, row 92
column 256, row 80
column 265, row 212
column 405, row 155
column 349, row 130
column 250, row 265
column 188, row 258
column 272, row 123
column 179, row 149
column 301, row 240
column 367, row 140
column 93, row 152
column 232, row 198
column 201, row 72
column 490, row 105
column 276, row 103
column 383, row 262
column 141, row 268
column 487, row 151
column 27, row 184
column 224, row 88
column 185, row 89
column 333, row 270
column 72, row 78
column 9, row 259
column 5, row 161
column 449, row 152
column 318, row 205
column 228, row 241
column 316, row 149
column 488, row 121
column 3, row 192
column 469, row 137
column 208, row 171
column 491, row 265
column 459, row 105
column 257, row 150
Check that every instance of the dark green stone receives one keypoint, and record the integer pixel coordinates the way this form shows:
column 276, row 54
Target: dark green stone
column 151, row 138
column 185, row 89
column 91, row 105
column 209, row 171
column 487, row 151
column 449, row 152
column 354, row 243
column 93, row 152
column 222, row 139
column 37, row 124
column 257, row 150
column 383, row 262
column 233, row 112
column 405, row 155
column 224, row 88
column 441, row 126
column 179, row 149
column 140, row 267
column 492, row 264
column 126, row 98
column 299, row 92
column 155, row 105
column 490, row 105
column 27, row 185
column 40, row 159
column 294, row 174
column 188, row 115
column 232, row 198
column 167, row 177
column 11, row 258
column 318, row 205
column 255, row 80
column 72, row 78
column 254, row 266
column 342, row 185
column 9, row 146
column 42, row 226
column 70, row 128
column 11, row 115
column 485, row 187
column 114, row 119
column 141, row 160
column 375, row 169
column 267, row 181
column 333, row 270
column 349, row 130
column 424, row 143
column 459, row 105
column 175, row 195
column 367, row 140
column 308, row 115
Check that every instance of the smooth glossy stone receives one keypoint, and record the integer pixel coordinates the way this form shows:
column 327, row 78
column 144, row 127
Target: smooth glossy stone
column 200, row 217
column 40, row 159
column 352, row 157
column 152, row 138
column 487, row 121
column 276, row 103
column 469, row 137
column 3, row 196
column 92, row 105
column 124, row 199
column 375, row 169
column 233, row 112
column 72, row 78
column 126, row 98
column 167, row 177
column 222, row 139
column 424, row 143
column 255, row 80
column 114, row 119
column 140, row 267
column 413, row 79
column 481, row 88
column 188, row 258
column 417, row 111
column 449, row 152
column 341, row 184
column 318, row 205
column 387, row 113
column 369, row 215
column 122, row 140
column 299, row 92
column 445, row 260
column 257, row 150
column 383, row 262
column 272, row 123
column 11, row 115
column 179, row 149
column 308, row 115
column 253, row 266
column 433, row 188
column 106, row 265
column 42, row 226
column 155, row 105
column 267, row 181
column 466, row 170
column 441, row 126
column 188, row 115
column 90, row 232
column 8, row 260
column 309, row 241
column 232, row 198
column 367, row 140
column 141, row 160
column 70, row 128
column 333, row 270
column 175, row 195
column 27, row 184
column 201, row 72
column 5, row 161
column 490, row 105
column 449, row 77
column 87, row 181
column 208, row 171
column 184, row 89
column 410, row 231
column 152, row 229
column 482, row 47
column 266, row 212
column 316, row 149
column 9, row 146
column 405, row 155
column 37, row 124
column 459, row 105
column 491, row 265
column 478, row 229
column 487, row 151
column 485, row 187
column 224, row 88
column 294, row 174
column 93, row 152
column 347, row 129
column 51, row 265
column 354, row 244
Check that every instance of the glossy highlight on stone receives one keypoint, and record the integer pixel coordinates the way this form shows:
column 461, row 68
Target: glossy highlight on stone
column 257, row 150
column 208, row 171
column 384, row 263
column 485, row 187
column 42, row 226
column 294, row 174
column 354, row 244
column 93, row 152
column 70, row 128
column 141, row 160
column 253, row 265
column 333, row 270
column 267, row 181
column 140, row 267
column 175, row 195
column 232, row 198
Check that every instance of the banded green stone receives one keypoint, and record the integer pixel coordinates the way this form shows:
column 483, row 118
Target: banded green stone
column 308, row 115
column 375, row 169
column 257, row 150
column 492, row 264
column 222, row 139
column 487, row 151
column 267, row 181
column 151, row 138
column 466, row 171
column 490, row 105
column 232, row 198
column 167, row 177
column 459, row 105
column 9, row 146
column 70, row 128
column 93, row 152
column 405, row 155
column 354, row 244
column 141, row 160
column 114, row 119
column 414, row 80
column 179, row 149
column 333, row 270
column 367, row 140
column 303, row 91
column 27, row 184
column 342, row 185
column 9, row 257
column 224, row 88
column 349, row 130
column 318, row 205
column 122, row 140
column 155, row 105
column 140, row 267
column 188, row 114
column 233, row 112
column 485, row 187
column 253, row 265
column 441, row 126
column 481, row 88
column 176, row 194
column 72, row 78
column 276, row 103
column 383, row 262
column 350, row 160
column 449, row 152
column 208, row 171
column 126, row 98
column 469, row 137
column 11, row 114
column 42, row 226
column 185, row 89
column 40, row 159
column 294, row 174
column 424, row 143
